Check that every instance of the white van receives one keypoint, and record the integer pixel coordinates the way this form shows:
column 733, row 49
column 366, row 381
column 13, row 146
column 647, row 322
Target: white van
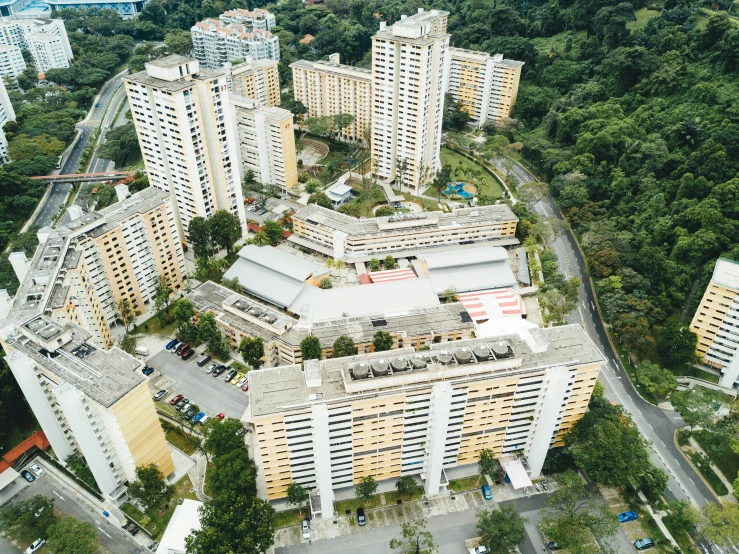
column 142, row 351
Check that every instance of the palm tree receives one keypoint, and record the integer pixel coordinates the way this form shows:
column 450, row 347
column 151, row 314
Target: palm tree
column 330, row 264
column 401, row 167
column 339, row 264
column 260, row 239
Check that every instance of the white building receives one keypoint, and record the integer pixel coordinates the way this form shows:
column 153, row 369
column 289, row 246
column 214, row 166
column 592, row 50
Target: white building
column 266, row 141
column 189, row 148
column 185, row 520
column 7, row 113
column 408, row 81
column 12, row 63
column 256, row 19
column 230, row 38
column 45, row 39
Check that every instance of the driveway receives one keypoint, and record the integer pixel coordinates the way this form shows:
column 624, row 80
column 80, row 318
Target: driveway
column 186, row 377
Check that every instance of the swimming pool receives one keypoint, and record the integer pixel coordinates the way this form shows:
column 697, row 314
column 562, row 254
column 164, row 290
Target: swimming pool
column 463, row 190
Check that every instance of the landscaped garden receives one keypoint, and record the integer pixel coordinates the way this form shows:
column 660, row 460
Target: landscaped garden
column 466, row 170
column 155, row 520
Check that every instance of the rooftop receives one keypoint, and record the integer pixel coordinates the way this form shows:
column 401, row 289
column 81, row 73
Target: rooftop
column 527, row 351
column 140, row 203
column 334, row 68
column 185, row 519
column 104, row 376
column 173, row 60
column 726, row 273
column 472, row 269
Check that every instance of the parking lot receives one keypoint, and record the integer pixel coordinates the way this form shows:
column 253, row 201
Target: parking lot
column 212, row 394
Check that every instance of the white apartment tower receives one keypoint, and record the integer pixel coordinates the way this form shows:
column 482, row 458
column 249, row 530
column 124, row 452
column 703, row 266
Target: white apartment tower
column 189, row 149
column 45, row 39
column 7, row 113
column 256, row 19
column 408, row 81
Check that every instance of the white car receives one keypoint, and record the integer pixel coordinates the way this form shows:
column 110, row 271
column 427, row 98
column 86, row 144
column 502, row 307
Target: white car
column 306, row 529
column 204, row 420
column 478, row 550
column 241, row 382
column 35, row 546
column 36, row 469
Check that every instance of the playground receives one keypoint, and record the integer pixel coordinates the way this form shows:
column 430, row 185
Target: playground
column 463, row 190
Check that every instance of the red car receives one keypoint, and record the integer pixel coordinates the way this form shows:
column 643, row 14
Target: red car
column 176, row 398
column 187, row 355
column 220, row 416
column 245, row 387
column 181, row 348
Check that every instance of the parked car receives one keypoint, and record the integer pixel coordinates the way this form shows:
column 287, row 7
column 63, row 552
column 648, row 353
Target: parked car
column 180, row 348
column 36, row 470
column 235, row 379
column 240, row 431
column 171, row 344
column 478, row 550
column 230, row 375
column 221, row 369
column 361, row 520
column 205, row 419
column 553, row 546
column 220, row 416
column 191, row 411
column 203, row 359
column 197, row 417
column 153, row 546
column 643, row 544
column 147, row 370
column 188, row 355
column 183, row 404
column 239, row 380
column 176, row 398
column 27, row 476
column 305, row 528
column 35, row 546
column 141, row 351
column 486, row 493
column 262, row 212
column 132, row 528
column 627, row 516
column 245, row 386
column 211, row 368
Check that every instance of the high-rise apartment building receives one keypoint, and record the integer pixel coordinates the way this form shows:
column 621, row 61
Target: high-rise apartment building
column 7, row 113
column 234, row 37
column 45, row 39
column 485, row 85
column 408, row 82
column 266, row 142
column 256, row 19
column 89, row 402
column 716, row 322
column 256, row 79
column 12, row 63
column 330, row 88
column 403, row 412
column 189, row 149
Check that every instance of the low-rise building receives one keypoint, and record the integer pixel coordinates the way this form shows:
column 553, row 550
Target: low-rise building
column 89, row 402
column 343, row 237
column 185, row 520
column 339, row 194
column 326, row 424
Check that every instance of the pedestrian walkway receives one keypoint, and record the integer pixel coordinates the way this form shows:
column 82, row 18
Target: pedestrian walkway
column 716, row 470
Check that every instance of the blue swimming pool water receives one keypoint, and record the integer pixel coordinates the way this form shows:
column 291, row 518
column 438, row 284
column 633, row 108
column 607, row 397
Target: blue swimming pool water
column 458, row 189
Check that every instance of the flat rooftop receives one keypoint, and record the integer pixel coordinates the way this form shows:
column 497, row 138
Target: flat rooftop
column 317, row 215
column 104, row 376
column 275, row 390
column 340, row 69
column 726, row 273
column 140, row 203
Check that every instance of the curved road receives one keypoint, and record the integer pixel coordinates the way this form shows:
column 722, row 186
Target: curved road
column 657, row 425
column 86, row 128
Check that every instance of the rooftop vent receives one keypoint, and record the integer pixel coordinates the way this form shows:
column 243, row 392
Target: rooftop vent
column 399, row 364
column 482, row 352
column 500, row 349
column 359, row 371
column 445, row 357
column 463, row 355
column 269, row 318
column 380, row 367
column 418, row 361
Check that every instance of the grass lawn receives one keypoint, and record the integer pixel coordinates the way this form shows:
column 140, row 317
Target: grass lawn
column 643, row 16
column 679, row 534
column 466, row 483
column 288, row 518
column 155, row 521
column 152, row 327
column 487, row 186
column 241, row 368
column 708, row 474
column 727, row 462
column 374, row 502
column 631, row 371
column 18, row 433
column 181, row 440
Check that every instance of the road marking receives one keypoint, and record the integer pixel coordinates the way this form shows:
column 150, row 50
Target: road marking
column 691, row 480
column 60, row 496
column 104, row 533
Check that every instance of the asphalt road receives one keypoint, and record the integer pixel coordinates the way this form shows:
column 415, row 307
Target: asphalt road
column 657, row 425
column 98, row 165
column 53, row 202
column 113, row 538
column 206, row 391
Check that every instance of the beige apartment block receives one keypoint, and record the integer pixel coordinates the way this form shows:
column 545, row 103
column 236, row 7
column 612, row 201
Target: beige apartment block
column 89, row 402
column 343, row 237
column 266, row 139
column 716, row 322
column 258, row 80
column 409, row 76
column 485, row 85
column 330, row 88
column 325, row 424
column 180, row 112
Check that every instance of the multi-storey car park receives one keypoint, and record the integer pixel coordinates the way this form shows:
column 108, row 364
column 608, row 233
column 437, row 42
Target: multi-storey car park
column 343, row 237
column 326, row 424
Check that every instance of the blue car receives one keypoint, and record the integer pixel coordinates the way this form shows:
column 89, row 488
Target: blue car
column 171, row 344
column 627, row 516
column 486, row 492
column 197, row 417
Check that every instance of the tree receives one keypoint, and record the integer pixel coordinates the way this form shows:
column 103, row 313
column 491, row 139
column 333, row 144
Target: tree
column 656, row 379
column 697, row 406
column 184, row 312
column 415, row 538
column 677, row 345
column 384, row 211
column 252, row 350
column 121, row 143
column 310, row 348
column 366, row 488
column 199, row 236
column 450, row 295
column 178, row 42
column 273, row 230
column 502, row 530
column 325, row 283
column 221, row 437
column 70, row 536
column 682, row 515
column 442, row 179
column 126, row 313
column 407, row 486
column 234, row 473
column 455, row 114
column 374, row 264
column 720, row 523
column 548, row 229
column 344, row 346
column 297, row 495
column 340, row 264
column 389, row 262
column 321, row 199
column 28, row 520
column 225, row 229
column 260, row 239
column 150, row 488
column 233, row 523
column 572, row 518
column 382, row 341
column 401, row 168
column 486, row 463
column 295, row 106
